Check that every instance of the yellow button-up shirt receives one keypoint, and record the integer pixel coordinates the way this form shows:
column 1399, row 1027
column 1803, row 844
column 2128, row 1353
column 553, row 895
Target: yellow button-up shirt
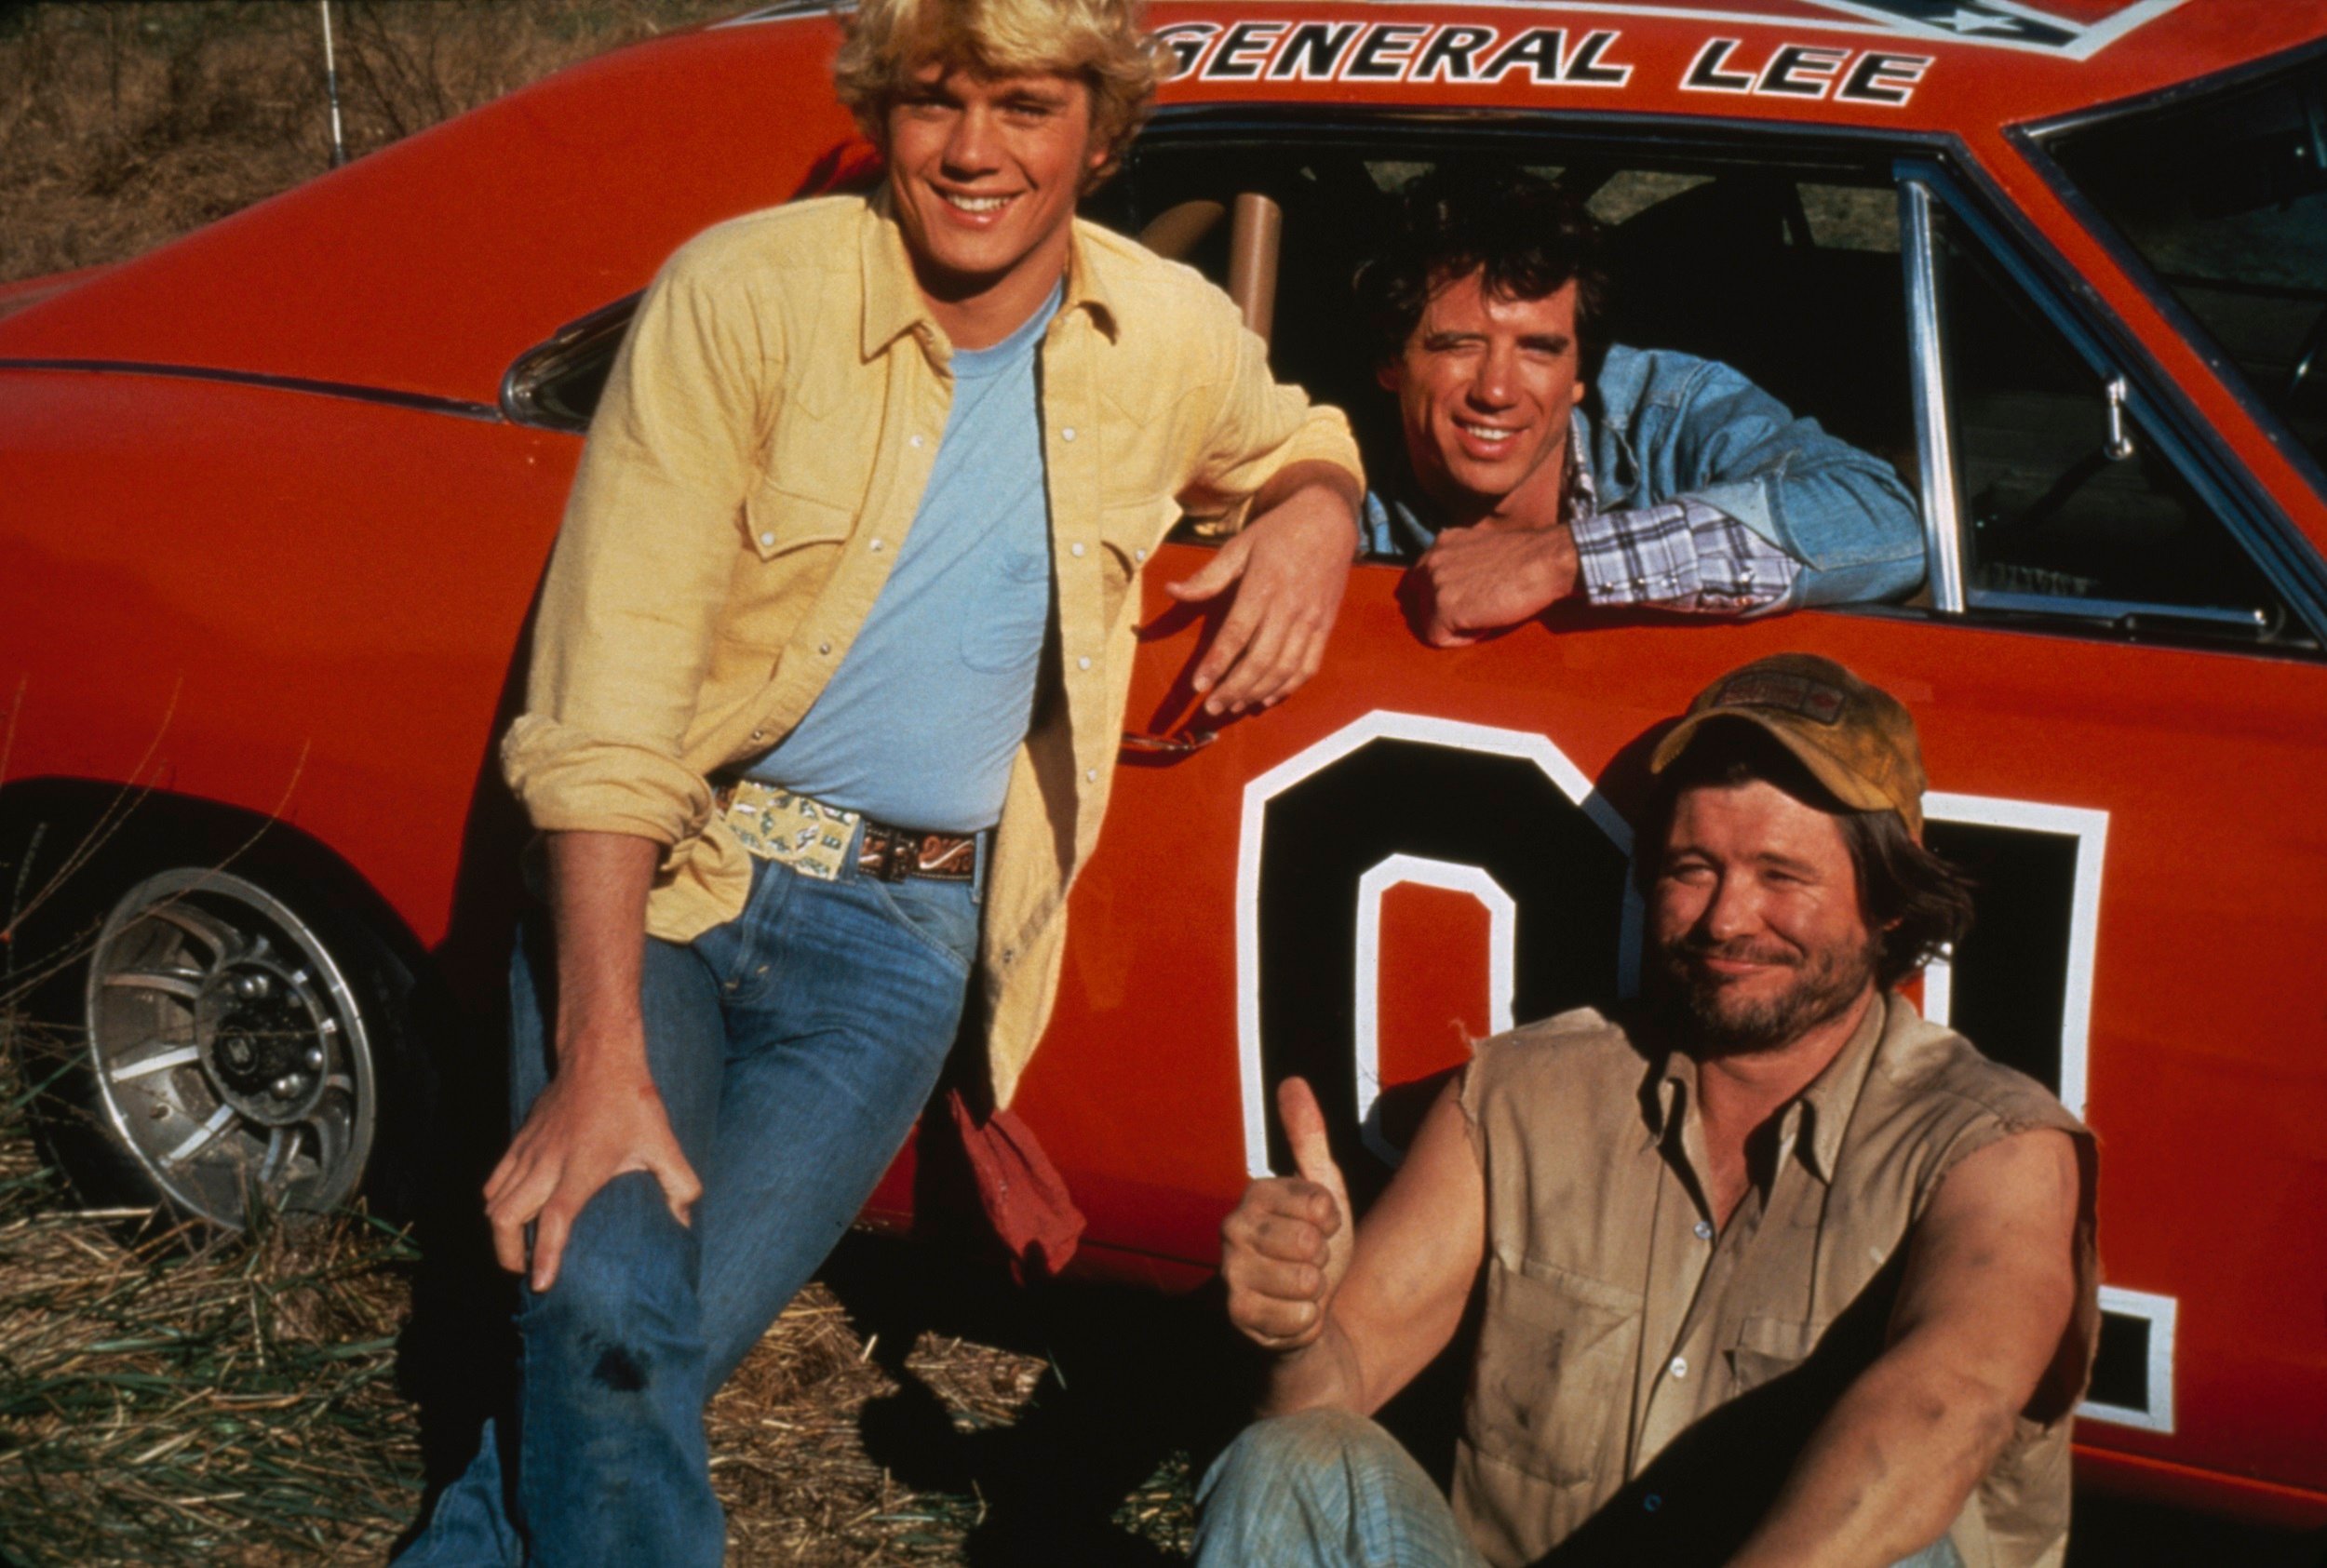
column 753, row 467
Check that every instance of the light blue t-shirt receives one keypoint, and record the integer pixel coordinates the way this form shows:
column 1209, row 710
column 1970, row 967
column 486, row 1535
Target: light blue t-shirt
column 917, row 726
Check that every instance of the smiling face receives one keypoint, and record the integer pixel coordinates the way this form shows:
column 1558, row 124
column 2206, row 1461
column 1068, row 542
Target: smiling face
column 985, row 171
column 1755, row 920
column 1484, row 386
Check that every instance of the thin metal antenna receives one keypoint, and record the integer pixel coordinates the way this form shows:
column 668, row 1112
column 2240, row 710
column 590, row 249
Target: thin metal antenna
column 331, row 87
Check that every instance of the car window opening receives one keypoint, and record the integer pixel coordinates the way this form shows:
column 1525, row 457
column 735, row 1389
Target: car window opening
column 2071, row 506
column 1789, row 274
column 2225, row 199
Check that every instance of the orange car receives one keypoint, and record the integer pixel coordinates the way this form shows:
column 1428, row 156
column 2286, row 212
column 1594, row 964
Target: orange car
column 273, row 501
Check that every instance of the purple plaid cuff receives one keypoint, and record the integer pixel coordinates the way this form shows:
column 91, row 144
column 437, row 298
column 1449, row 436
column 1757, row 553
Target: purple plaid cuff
column 1682, row 556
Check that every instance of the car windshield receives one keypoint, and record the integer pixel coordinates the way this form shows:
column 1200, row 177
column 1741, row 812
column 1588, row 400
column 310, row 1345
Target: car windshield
column 2225, row 198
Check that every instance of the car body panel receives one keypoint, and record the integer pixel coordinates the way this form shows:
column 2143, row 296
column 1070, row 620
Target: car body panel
column 266, row 540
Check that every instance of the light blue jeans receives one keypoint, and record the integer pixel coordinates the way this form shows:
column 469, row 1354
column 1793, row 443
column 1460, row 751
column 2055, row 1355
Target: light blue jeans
column 793, row 1047
column 1327, row 1489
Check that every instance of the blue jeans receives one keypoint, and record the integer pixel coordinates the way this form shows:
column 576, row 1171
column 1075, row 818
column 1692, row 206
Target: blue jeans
column 793, row 1047
column 1327, row 1489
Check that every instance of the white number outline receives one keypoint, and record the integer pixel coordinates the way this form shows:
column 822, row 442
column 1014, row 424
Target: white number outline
column 1380, row 725
column 1502, row 962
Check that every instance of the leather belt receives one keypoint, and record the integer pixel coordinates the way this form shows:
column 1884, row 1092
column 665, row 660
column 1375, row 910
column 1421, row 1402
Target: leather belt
column 813, row 839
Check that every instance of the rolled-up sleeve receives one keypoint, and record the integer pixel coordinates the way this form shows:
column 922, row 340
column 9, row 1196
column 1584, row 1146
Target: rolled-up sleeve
column 1258, row 426
column 643, row 560
column 1842, row 513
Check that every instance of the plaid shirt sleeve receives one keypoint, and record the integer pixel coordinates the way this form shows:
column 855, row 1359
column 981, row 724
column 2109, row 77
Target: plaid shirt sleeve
column 1683, row 556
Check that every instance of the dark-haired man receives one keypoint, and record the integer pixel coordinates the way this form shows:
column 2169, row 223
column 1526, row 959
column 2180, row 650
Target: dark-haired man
column 1547, row 464
column 1774, row 1272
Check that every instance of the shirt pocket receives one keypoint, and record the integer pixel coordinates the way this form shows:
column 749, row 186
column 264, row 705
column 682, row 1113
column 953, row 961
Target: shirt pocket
column 781, row 523
column 1550, row 1393
column 792, row 545
column 1767, row 1348
column 1128, row 535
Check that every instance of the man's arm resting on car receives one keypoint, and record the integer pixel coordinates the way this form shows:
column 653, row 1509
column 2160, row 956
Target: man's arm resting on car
column 1289, row 566
column 600, row 1115
column 1990, row 1291
column 1351, row 1322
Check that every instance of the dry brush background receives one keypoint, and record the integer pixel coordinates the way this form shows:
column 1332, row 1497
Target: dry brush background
column 124, row 126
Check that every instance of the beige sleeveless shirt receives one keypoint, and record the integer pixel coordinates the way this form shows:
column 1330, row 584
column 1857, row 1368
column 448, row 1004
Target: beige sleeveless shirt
column 1643, row 1382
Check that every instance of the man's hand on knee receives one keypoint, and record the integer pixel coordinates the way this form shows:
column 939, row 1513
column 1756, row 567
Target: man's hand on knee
column 597, row 1121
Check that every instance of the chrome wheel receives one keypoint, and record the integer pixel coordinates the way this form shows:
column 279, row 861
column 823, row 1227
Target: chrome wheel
column 230, row 1055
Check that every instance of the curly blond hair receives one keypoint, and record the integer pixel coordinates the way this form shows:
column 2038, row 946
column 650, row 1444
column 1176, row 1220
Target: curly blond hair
column 1099, row 41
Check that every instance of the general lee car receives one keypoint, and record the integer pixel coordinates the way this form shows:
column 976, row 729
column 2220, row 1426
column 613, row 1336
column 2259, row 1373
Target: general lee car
column 275, row 500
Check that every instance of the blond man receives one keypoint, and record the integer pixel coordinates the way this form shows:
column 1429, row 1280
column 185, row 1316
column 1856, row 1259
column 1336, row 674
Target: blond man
column 863, row 469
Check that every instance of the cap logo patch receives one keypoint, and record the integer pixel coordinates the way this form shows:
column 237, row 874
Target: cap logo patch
column 1792, row 693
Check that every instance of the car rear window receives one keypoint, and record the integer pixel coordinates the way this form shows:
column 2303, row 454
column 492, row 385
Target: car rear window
column 2225, row 198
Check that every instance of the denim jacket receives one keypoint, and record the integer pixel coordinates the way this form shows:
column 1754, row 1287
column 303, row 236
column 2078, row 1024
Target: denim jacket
column 1666, row 427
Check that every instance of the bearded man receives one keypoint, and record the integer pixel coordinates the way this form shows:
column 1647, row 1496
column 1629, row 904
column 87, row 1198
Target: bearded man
column 1770, row 1271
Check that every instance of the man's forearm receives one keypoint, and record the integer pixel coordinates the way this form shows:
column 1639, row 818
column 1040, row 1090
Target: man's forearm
column 1322, row 1374
column 1294, row 478
column 598, row 885
column 1886, row 1473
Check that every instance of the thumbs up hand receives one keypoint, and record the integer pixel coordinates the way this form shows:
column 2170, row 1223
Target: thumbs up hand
column 1285, row 1250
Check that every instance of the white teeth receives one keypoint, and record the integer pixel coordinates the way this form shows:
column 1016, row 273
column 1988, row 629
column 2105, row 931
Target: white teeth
column 1484, row 432
column 977, row 204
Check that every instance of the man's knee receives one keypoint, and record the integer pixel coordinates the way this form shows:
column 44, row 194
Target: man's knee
column 1323, row 1488
column 1316, row 1461
column 625, row 1301
column 1326, row 1442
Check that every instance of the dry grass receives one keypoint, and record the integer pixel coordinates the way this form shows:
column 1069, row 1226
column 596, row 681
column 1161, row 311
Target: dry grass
column 189, row 1399
column 122, row 125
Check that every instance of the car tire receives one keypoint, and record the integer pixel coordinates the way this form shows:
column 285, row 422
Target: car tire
column 212, row 1034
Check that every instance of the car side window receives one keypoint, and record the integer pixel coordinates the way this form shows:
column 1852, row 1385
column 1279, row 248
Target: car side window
column 1787, row 270
column 2070, row 504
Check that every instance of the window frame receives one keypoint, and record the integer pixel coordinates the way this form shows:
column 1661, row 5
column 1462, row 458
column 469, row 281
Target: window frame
column 2034, row 142
column 2192, row 445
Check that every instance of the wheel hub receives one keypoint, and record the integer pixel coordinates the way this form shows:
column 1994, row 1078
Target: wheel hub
column 261, row 1032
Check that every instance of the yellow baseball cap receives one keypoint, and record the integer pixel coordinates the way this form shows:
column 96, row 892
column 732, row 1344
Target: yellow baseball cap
column 1855, row 739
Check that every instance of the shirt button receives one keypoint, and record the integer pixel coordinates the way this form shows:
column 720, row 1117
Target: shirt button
column 1075, row 549
column 1083, row 662
column 1092, row 774
column 916, row 443
column 1139, row 555
column 758, row 734
column 1705, row 1230
column 823, row 648
column 876, row 544
column 767, row 539
column 1680, row 1366
column 1067, row 433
